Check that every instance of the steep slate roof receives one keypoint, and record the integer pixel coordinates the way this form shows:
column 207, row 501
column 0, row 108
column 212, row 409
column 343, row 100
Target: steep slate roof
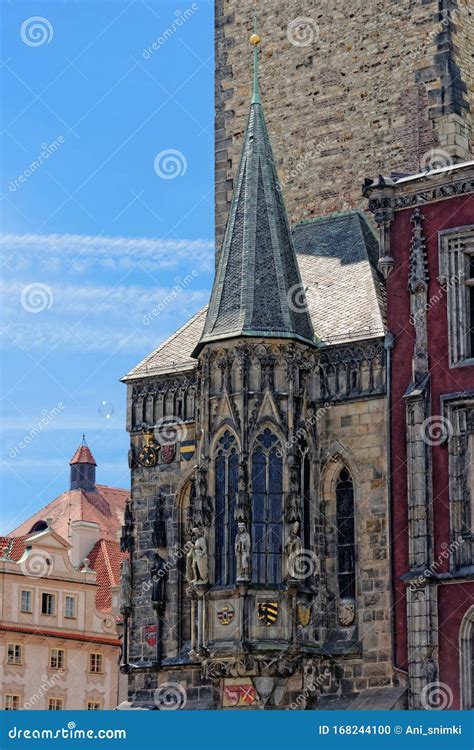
column 258, row 274
column 105, row 506
column 337, row 256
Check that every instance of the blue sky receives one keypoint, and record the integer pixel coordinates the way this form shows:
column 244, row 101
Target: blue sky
column 106, row 204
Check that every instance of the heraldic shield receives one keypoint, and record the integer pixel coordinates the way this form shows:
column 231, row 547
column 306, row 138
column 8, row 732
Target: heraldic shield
column 267, row 612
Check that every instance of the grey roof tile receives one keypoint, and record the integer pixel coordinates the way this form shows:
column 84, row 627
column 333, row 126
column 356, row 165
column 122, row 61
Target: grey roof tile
column 336, row 257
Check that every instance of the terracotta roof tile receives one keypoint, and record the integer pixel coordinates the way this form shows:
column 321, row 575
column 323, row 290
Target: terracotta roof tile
column 61, row 634
column 106, row 559
column 83, row 456
column 15, row 545
column 105, row 506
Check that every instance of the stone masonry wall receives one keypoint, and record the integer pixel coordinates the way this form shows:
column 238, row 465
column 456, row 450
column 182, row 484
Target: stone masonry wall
column 378, row 87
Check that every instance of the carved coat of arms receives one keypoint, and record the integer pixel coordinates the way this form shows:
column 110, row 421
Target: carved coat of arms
column 168, row 452
column 267, row 612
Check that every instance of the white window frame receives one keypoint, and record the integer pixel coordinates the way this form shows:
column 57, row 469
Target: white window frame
column 70, row 597
column 59, row 700
column 12, row 696
column 54, row 654
column 53, row 599
column 454, row 248
column 16, row 661
column 92, row 655
column 30, row 595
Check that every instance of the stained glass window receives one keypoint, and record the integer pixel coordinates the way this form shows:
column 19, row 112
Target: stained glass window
column 227, row 477
column 267, row 510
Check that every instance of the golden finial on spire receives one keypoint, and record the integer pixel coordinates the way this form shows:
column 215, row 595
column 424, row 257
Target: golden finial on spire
column 255, row 40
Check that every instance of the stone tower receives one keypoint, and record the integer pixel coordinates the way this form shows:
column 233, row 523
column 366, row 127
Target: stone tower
column 349, row 87
column 257, row 529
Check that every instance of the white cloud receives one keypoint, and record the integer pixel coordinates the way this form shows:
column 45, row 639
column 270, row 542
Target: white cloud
column 83, row 253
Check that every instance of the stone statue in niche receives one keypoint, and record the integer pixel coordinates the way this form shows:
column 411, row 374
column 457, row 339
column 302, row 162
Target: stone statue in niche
column 125, row 601
column 197, row 558
column 294, row 543
column 242, row 552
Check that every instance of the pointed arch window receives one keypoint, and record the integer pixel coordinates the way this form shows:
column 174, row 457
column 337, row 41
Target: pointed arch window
column 227, row 479
column 345, row 534
column 267, row 509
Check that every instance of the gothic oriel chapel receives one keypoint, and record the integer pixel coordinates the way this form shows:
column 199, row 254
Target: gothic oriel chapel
column 259, row 517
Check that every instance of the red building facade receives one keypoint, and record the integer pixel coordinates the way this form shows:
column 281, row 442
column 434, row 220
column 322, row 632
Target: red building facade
column 426, row 225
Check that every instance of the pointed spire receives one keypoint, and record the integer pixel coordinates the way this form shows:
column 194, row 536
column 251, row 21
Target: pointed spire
column 257, row 289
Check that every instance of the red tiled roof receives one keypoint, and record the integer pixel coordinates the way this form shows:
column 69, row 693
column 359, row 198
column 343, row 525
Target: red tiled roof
column 82, row 456
column 15, row 545
column 61, row 634
column 106, row 559
column 105, row 506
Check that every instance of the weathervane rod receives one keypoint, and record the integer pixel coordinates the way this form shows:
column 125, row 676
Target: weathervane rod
column 255, row 40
